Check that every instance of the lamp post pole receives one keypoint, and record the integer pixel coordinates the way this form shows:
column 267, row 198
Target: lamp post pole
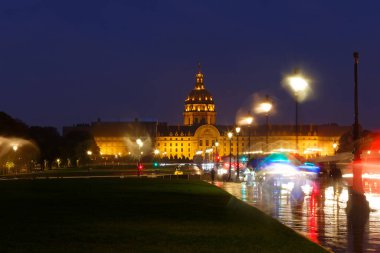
column 356, row 124
column 265, row 107
column 249, row 121
column 229, row 168
column 216, row 155
column 267, row 131
column 296, row 98
column 299, row 87
column 237, row 154
column 357, row 204
column 249, row 143
column 139, row 165
column 357, row 169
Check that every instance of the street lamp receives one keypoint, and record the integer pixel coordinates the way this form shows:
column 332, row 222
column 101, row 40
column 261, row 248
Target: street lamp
column 229, row 134
column 266, row 107
column 139, row 165
column 249, row 121
column 237, row 129
column 216, row 154
column 298, row 84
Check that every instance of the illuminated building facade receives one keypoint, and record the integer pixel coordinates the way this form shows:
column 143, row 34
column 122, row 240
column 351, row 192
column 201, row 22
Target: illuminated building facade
column 200, row 135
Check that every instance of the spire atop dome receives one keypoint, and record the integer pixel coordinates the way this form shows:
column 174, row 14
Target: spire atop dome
column 199, row 85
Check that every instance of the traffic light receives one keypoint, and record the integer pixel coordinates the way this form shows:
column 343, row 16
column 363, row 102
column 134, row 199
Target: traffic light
column 155, row 164
column 218, row 158
column 140, row 166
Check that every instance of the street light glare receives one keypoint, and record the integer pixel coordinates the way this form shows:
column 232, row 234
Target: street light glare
column 229, row 135
column 249, row 120
column 237, row 129
column 298, row 84
column 139, row 142
column 265, row 107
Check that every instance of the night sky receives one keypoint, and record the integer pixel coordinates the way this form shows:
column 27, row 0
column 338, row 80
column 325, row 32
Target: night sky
column 68, row 62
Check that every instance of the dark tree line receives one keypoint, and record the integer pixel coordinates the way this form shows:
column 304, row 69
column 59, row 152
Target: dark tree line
column 70, row 149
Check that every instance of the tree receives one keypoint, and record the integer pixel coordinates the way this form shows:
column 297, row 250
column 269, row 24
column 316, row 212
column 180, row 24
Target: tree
column 48, row 141
column 76, row 144
column 10, row 127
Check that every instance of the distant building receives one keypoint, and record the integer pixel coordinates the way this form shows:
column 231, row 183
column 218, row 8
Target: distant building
column 200, row 135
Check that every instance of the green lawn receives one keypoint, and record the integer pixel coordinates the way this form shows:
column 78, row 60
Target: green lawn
column 135, row 215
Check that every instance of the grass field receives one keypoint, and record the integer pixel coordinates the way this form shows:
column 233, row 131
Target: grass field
column 135, row 215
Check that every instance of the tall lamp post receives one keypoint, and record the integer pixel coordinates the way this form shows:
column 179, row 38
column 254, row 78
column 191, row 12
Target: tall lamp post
column 357, row 169
column 139, row 165
column 237, row 129
column 356, row 123
column 216, row 155
column 249, row 121
column 266, row 107
column 229, row 168
column 357, row 205
column 298, row 84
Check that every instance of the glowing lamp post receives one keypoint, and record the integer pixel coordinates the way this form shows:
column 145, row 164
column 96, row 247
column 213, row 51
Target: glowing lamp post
column 229, row 168
column 298, row 84
column 249, row 121
column 139, row 165
column 216, row 154
column 266, row 107
column 237, row 129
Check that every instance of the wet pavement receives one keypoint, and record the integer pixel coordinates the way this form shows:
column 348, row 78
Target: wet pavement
column 317, row 209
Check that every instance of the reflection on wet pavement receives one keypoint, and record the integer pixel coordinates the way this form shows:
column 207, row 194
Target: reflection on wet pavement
column 317, row 209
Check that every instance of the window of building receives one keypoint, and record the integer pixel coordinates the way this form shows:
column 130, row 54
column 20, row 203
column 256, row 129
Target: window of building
column 207, row 143
column 200, row 143
column 213, row 143
column 188, row 145
column 170, row 144
column 181, row 144
column 176, row 150
column 181, row 149
column 189, row 150
column 176, row 144
column 158, row 144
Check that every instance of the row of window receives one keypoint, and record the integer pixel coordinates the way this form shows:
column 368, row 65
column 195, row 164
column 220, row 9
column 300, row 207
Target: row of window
column 170, row 144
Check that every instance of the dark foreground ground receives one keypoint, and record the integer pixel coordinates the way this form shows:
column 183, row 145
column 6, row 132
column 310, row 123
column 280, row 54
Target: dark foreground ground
column 135, row 215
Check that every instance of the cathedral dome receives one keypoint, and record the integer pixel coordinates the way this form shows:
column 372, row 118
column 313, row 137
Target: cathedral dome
column 199, row 97
column 199, row 104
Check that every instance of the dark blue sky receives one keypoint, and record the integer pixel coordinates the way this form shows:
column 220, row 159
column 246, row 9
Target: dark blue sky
column 67, row 62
